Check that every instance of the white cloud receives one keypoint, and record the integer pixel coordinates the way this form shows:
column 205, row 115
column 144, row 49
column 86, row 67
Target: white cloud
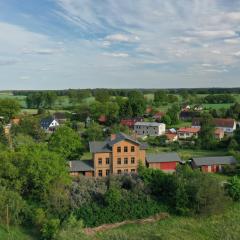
column 214, row 33
column 232, row 41
column 120, row 55
column 236, row 54
column 122, row 38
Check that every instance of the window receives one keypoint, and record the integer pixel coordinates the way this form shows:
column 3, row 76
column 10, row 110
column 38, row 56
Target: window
column 119, row 161
column 132, row 149
column 125, row 170
column 133, row 170
column 118, row 149
column 119, row 171
column 100, row 173
column 107, row 172
column 125, row 149
column 125, row 160
column 107, row 161
column 132, row 160
column 100, row 161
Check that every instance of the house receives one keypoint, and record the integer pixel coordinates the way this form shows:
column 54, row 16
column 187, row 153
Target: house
column 171, row 137
column 149, row 128
column 60, row 117
column 158, row 116
column 116, row 155
column 187, row 115
column 212, row 164
column 219, row 133
column 81, row 167
column 166, row 162
column 15, row 120
column 186, row 108
column 228, row 125
column 49, row 124
column 131, row 121
column 187, row 132
column 198, row 108
column 102, row 119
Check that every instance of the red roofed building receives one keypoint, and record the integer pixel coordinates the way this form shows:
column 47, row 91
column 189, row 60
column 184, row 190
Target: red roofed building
column 131, row 121
column 102, row 119
column 158, row 115
column 188, row 132
column 228, row 125
column 171, row 137
column 219, row 133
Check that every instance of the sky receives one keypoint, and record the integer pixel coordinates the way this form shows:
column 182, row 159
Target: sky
column 61, row 44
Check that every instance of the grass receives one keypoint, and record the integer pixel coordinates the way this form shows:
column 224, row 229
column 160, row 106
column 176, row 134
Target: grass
column 219, row 227
column 15, row 233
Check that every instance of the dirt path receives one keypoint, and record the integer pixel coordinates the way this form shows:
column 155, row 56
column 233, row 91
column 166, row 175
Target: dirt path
column 104, row 227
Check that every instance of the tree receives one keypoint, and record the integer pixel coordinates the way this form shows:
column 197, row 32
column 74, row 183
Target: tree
column 137, row 103
column 9, row 108
column 206, row 134
column 173, row 113
column 233, row 145
column 102, row 96
column 66, row 142
column 94, row 132
column 160, row 97
column 233, row 188
column 3, row 138
column 166, row 119
column 29, row 126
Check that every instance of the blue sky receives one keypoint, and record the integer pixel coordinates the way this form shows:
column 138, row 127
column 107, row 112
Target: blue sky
column 59, row 44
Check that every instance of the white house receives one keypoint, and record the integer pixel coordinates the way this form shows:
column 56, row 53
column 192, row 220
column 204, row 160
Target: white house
column 149, row 128
column 228, row 125
column 49, row 124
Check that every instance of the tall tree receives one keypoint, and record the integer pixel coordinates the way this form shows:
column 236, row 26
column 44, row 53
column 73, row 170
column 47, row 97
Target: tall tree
column 138, row 103
column 9, row 108
column 66, row 142
column 206, row 135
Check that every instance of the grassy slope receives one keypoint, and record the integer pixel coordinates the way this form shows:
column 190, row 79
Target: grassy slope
column 225, row 226
column 15, row 234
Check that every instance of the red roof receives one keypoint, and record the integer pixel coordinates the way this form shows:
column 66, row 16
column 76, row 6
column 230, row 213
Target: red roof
column 218, row 122
column 189, row 130
column 171, row 136
column 102, row 119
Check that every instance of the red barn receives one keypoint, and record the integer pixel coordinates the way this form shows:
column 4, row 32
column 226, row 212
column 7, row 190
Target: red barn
column 166, row 162
column 213, row 164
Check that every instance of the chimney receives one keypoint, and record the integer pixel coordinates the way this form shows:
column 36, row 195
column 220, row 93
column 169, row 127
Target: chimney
column 113, row 136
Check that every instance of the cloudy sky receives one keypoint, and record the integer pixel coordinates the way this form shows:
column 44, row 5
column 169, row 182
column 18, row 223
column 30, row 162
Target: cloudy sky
column 57, row 44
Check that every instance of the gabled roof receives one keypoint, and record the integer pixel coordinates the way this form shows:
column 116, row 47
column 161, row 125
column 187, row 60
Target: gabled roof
column 189, row 130
column 81, row 165
column 121, row 137
column 218, row 122
column 106, row 146
column 99, row 147
column 163, row 157
column 207, row 161
column 45, row 122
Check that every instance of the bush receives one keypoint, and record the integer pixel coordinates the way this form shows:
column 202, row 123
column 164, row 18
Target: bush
column 233, row 188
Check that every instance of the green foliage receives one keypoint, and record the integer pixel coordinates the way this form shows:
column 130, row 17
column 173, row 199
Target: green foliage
column 94, row 132
column 9, row 108
column 220, row 98
column 11, row 204
column 187, row 192
column 125, row 198
column 233, row 188
column 173, row 114
column 3, row 138
column 137, row 103
column 41, row 99
column 50, row 229
column 206, row 134
column 66, row 142
column 102, row 96
column 29, row 126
